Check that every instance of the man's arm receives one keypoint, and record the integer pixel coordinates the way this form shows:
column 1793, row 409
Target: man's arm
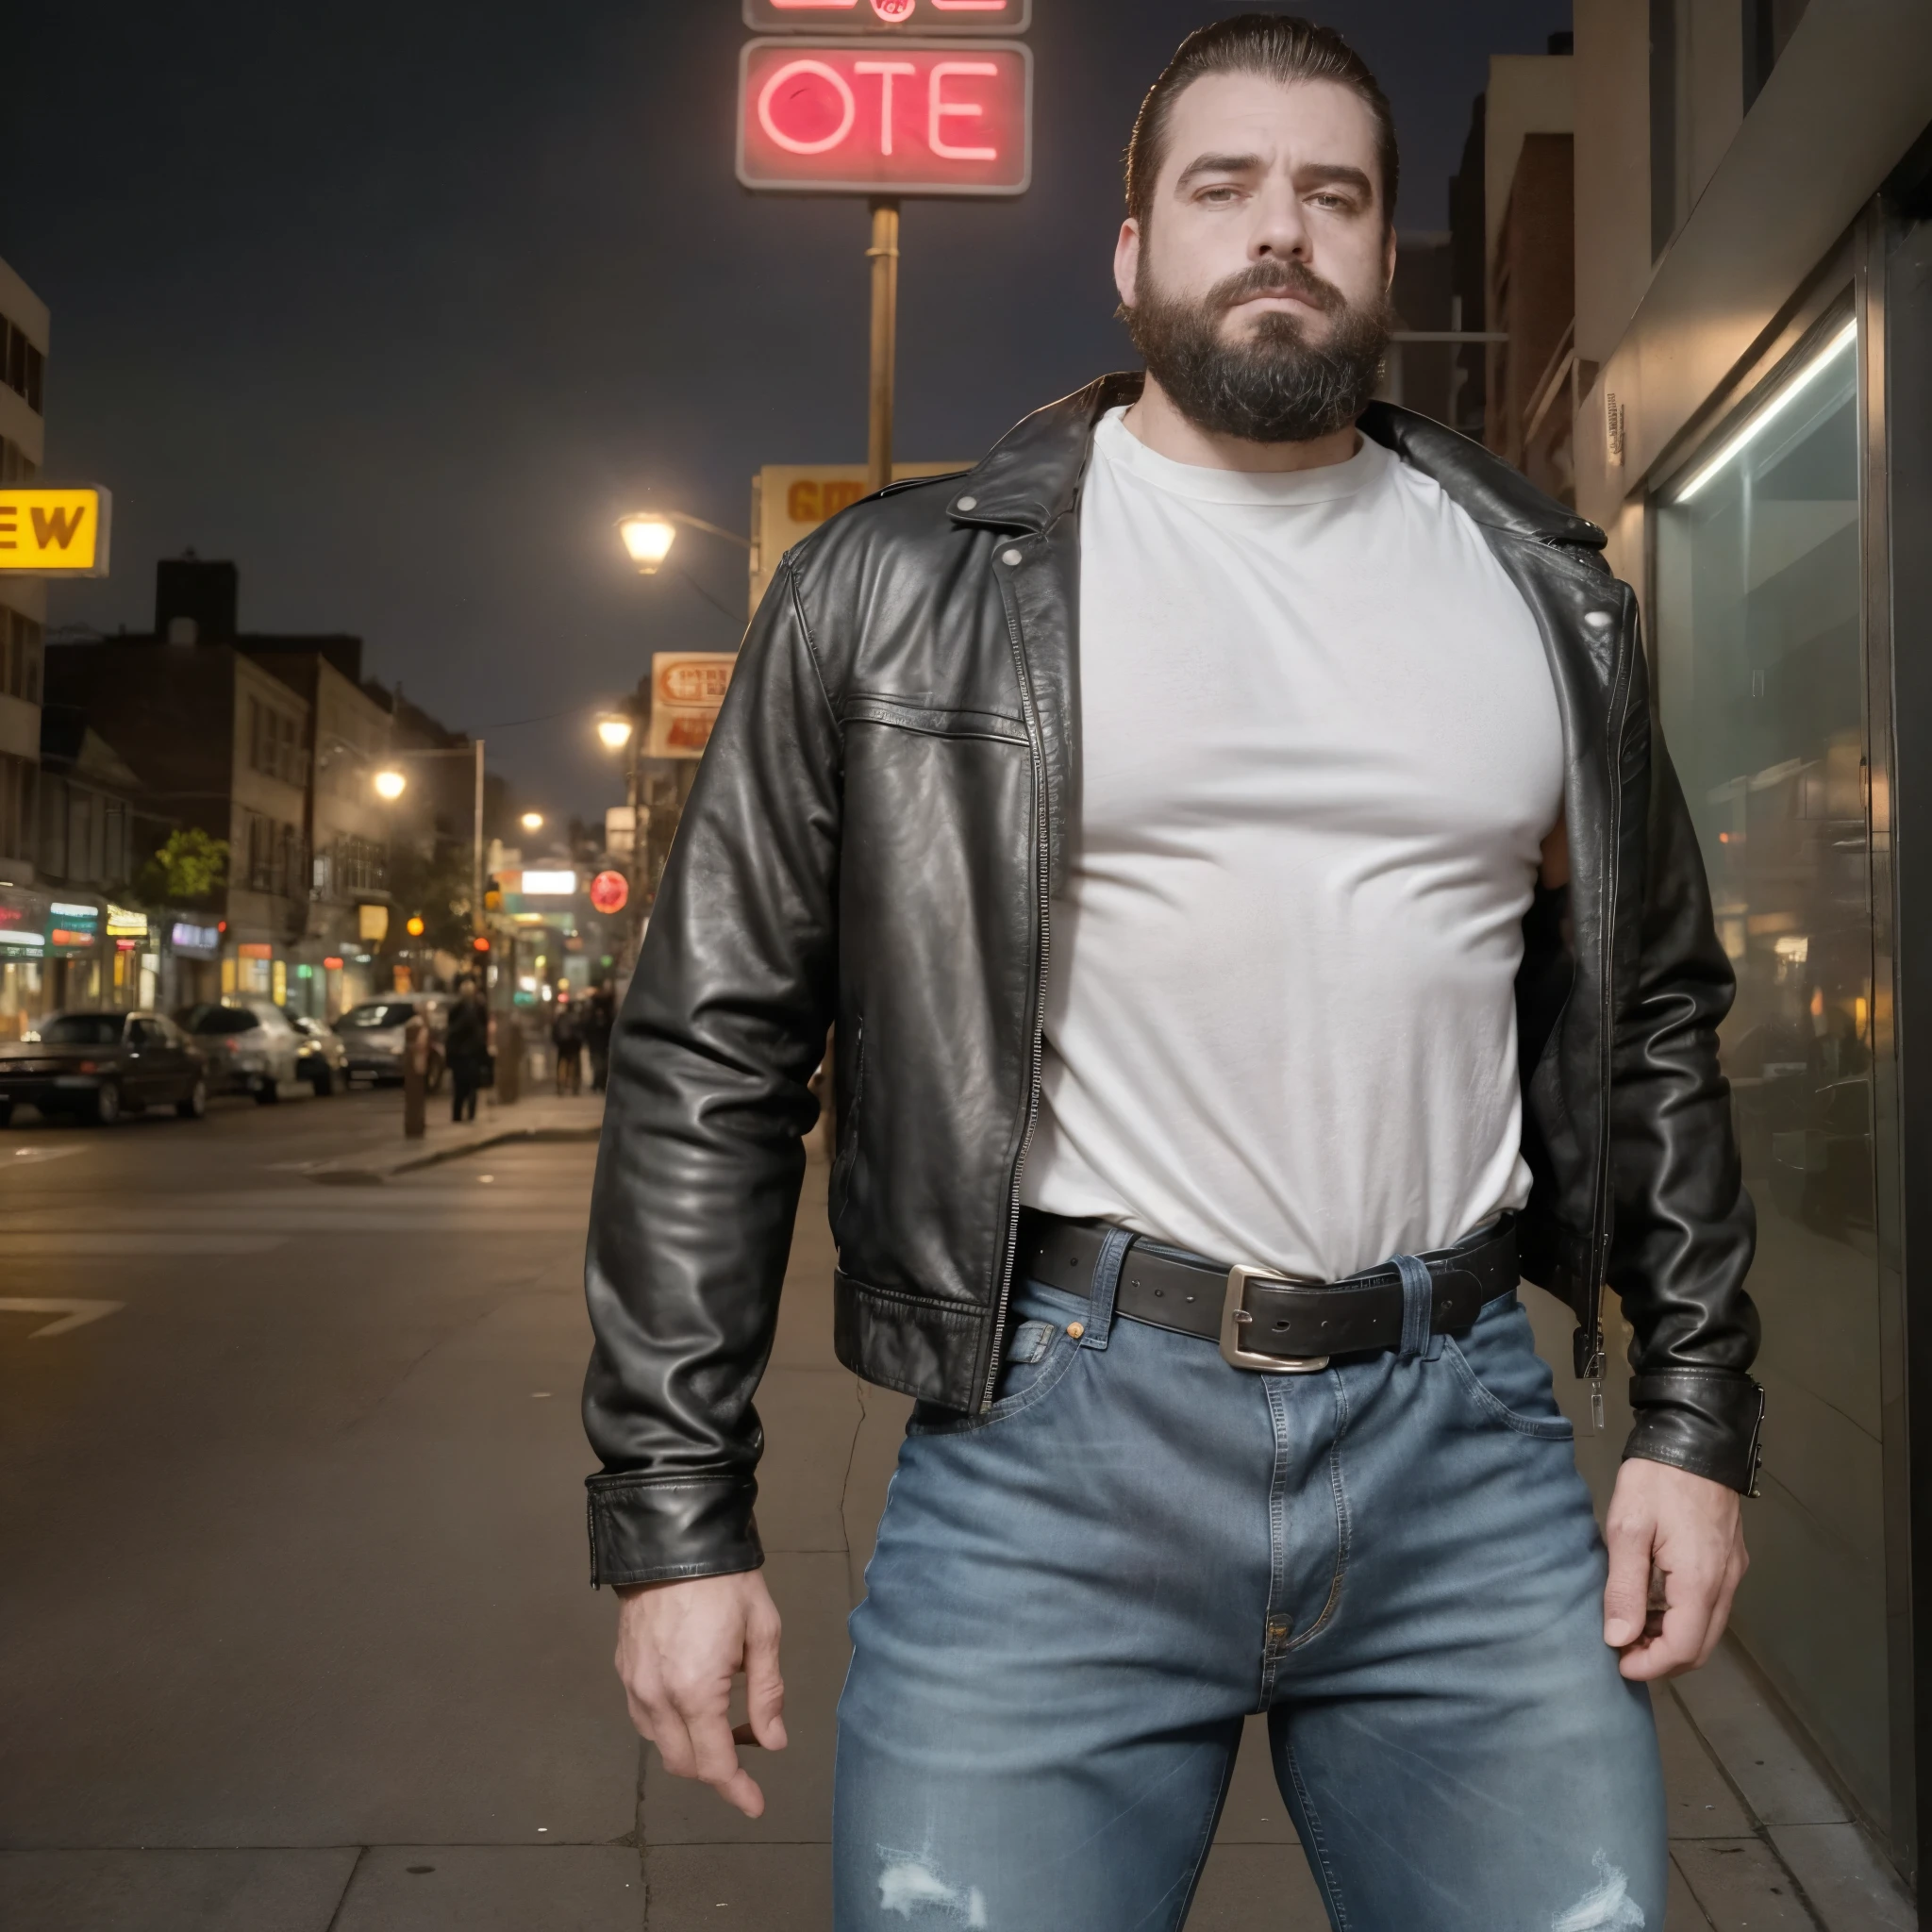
column 702, row 1155
column 1681, row 1248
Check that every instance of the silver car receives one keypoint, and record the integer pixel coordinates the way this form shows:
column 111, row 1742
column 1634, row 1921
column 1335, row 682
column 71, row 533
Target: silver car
column 250, row 1044
column 373, row 1033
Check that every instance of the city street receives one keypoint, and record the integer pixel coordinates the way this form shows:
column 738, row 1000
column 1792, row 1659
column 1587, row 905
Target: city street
column 294, row 1634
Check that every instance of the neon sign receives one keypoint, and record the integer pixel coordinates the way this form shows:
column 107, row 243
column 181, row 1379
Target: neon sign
column 911, row 117
column 881, row 16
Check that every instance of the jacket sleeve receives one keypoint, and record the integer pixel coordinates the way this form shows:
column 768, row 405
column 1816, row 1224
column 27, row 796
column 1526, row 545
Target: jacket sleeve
column 702, row 1157
column 1683, row 1226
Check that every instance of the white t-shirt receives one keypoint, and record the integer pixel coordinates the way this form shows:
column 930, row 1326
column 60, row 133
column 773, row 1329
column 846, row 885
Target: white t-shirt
column 1319, row 753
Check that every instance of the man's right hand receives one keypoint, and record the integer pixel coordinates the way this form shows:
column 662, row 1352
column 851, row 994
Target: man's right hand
column 679, row 1647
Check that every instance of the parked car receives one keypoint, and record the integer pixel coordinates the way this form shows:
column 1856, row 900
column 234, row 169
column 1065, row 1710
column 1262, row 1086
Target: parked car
column 322, row 1059
column 252, row 1047
column 374, row 1034
column 98, row 1066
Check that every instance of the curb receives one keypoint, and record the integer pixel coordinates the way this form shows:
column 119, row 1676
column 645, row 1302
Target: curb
column 364, row 1174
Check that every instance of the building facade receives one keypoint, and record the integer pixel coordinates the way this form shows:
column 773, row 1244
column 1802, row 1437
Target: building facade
column 1749, row 415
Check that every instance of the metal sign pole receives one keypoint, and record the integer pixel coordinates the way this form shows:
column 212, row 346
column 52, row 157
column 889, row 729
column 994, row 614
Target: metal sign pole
column 884, row 255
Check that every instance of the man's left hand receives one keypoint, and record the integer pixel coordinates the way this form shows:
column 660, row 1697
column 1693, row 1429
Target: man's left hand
column 1677, row 1556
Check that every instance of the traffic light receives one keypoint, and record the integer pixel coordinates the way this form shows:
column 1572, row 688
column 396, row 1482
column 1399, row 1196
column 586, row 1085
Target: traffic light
column 414, row 928
column 481, row 944
column 492, row 896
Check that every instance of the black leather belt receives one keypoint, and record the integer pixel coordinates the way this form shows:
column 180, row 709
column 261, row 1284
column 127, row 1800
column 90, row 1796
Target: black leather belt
column 1263, row 1321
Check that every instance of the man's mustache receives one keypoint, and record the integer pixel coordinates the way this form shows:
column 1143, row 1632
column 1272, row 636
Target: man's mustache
column 1279, row 277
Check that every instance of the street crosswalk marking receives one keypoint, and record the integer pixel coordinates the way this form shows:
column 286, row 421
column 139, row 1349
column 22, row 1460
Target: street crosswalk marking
column 74, row 1312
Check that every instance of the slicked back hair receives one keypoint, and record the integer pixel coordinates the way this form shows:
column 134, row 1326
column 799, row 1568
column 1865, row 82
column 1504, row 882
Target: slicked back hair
column 1278, row 46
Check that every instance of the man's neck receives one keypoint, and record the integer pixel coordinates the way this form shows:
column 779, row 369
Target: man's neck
column 1162, row 427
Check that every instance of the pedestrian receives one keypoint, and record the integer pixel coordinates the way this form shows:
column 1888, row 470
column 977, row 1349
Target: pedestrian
column 466, row 1048
column 567, row 1038
column 600, row 1021
column 1175, row 815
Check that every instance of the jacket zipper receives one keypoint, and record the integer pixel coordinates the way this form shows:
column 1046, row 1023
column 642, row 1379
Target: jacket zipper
column 1045, row 860
column 1599, row 1232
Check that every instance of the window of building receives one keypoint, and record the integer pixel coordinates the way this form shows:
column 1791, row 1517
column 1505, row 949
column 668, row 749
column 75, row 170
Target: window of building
column 16, row 466
column 16, row 806
column 22, row 643
column 1762, row 683
column 22, row 366
column 275, row 744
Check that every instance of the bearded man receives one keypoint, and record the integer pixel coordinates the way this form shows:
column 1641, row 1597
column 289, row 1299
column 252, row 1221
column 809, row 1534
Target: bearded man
column 1230, row 833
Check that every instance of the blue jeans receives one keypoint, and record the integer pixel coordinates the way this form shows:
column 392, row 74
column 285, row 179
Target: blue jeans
column 1078, row 1596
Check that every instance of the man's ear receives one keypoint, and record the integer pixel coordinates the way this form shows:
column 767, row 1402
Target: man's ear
column 1126, row 261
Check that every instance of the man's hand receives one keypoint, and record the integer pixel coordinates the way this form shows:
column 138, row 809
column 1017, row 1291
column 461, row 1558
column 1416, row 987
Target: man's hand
column 679, row 1647
column 1676, row 1558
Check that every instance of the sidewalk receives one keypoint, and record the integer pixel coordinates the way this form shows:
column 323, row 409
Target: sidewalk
column 1759, row 1837
column 537, row 1116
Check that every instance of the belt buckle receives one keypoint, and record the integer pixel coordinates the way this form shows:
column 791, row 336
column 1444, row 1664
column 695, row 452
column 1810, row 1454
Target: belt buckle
column 1235, row 1317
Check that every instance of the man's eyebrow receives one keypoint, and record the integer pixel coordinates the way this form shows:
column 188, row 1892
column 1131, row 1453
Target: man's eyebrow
column 1220, row 164
column 1335, row 173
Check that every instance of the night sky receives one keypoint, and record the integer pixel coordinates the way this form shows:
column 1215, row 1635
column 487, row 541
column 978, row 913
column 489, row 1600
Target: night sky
column 400, row 307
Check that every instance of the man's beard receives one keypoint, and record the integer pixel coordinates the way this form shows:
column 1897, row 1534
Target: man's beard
column 1269, row 383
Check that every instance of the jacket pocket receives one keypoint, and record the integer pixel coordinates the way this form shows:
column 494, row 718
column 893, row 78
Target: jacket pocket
column 1505, row 1378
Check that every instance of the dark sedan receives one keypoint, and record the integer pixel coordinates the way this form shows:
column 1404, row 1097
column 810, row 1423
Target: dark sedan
column 98, row 1066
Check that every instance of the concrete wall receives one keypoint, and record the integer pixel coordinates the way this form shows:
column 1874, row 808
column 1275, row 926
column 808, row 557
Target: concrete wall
column 1529, row 93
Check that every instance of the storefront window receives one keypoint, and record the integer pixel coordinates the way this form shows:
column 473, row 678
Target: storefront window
column 1762, row 683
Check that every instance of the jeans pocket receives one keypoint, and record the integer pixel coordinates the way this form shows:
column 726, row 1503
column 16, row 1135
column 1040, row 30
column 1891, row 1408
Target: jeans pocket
column 1505, row 1377
column 1025, row 1378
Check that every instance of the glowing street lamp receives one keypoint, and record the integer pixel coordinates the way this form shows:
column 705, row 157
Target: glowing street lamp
column 614, row 729
column 648, row 538
column 532, row 822
column 390, row 785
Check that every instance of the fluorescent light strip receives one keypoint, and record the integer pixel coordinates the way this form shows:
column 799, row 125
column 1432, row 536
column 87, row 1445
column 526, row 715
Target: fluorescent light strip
column 1799, row 383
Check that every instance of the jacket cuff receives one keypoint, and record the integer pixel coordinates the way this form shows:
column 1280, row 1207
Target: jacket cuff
column 656, row 1530
column 1708, row 1421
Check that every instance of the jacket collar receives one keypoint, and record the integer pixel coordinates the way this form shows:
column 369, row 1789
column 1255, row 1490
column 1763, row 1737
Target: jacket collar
column 1031, row 477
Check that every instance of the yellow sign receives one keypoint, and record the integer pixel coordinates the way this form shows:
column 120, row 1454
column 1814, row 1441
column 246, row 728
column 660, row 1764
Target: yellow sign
column 791, row 500
column 372, row 923
column 54, row 533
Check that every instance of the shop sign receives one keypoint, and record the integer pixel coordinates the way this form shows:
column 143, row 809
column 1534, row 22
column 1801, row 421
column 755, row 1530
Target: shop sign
column 889, row 16
column 372, row 923
column 124, row 925
column 908, row 118
column 255, row 949
column 74, row 927
column 788, row 501
column 549, row 885
column 687, row 689
column 23, row 923
column 54, row 533
column 609, row 891
column 202, row 942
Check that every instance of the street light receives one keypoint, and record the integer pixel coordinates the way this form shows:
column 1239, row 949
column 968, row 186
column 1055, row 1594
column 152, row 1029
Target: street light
column 532, row 822
column 648, row 538
column 648, row 535
column 390, row 785
column 614, row 729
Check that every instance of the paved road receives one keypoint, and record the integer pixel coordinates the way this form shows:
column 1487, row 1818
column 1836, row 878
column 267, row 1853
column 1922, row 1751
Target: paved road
column 293, row 1624
column 294, row 1634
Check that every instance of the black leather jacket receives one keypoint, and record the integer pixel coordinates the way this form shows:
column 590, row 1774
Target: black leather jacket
column 874, row 837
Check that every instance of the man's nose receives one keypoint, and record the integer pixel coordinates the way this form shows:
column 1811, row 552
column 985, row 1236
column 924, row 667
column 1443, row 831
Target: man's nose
column 1280, row 227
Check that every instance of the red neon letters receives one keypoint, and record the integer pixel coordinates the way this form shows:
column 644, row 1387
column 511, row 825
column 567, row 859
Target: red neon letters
column 885, row 117
column 873, row 16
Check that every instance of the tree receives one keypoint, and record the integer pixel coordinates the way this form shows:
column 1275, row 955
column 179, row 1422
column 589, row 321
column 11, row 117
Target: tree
column 433, row 887
column 189, row 870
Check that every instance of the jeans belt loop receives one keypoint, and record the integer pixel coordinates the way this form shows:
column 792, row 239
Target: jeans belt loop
column 1418, row 1310
column 1114, row 1245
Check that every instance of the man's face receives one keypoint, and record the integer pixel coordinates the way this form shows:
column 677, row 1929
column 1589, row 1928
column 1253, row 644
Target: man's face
column 1259, row 292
